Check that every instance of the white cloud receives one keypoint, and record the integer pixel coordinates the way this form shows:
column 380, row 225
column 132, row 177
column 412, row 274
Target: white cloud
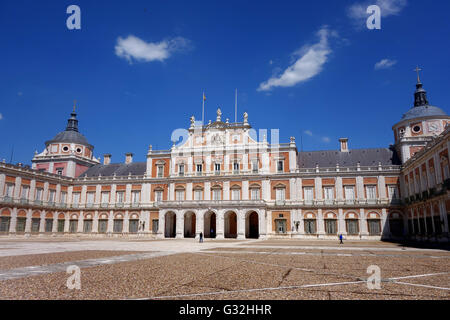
column 308, row 132
column 326, row 139
column 19, row 93
column 358, row 11
column 1, row 116
column 385, row 64
column 309, row 63
column 134, row 48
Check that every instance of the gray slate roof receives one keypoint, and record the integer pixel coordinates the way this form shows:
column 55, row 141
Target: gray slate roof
column 423, row 111
column 70, row 137
column 329, row 158
column 120, row 169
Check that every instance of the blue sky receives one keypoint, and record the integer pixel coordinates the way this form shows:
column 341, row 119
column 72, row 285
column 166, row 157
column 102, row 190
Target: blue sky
column 138, row 69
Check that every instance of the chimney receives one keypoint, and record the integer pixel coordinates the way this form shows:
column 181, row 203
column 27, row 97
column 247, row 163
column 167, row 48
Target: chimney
column 106, row 159
column 128, row 158
column 344, row 144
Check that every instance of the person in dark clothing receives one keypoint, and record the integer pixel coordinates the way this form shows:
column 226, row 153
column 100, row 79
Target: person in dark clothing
column 201, row 237
column 340, row 239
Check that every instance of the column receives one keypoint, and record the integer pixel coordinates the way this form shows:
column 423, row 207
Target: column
column 262, row 224
column 161, row 224
column 385, row 228
column 320, row 223
column 220, row 224
column 199, row 222
column 28, row 222
column 363, row 223
column 126, row 222
column 341, row 222
column 42, row 222
column 110, row 228
column 240, row 224
column 245, row 190
column 55, row 222
column 179, row 224
column 80, row 222
column 12, row 226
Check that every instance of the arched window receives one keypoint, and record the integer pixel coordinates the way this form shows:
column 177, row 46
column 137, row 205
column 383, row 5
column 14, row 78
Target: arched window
column 352, row 223
column 374, row 224
column 330, row 223
column 310, row 223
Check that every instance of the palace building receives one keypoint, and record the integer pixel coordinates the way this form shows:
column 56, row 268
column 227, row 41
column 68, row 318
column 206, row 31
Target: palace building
column 225, row 182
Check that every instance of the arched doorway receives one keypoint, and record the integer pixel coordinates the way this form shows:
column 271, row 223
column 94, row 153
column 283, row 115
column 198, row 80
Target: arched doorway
column 209, row 225
column 252, row 225
column 396, row 224
column 170, row 225
column 230, row 224
column 189, row 225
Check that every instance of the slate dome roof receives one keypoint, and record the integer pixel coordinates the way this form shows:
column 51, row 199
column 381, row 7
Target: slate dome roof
column 423, row 111
column 71, row 134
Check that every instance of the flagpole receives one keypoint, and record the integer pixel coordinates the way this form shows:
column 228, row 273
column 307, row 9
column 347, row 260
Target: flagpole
column 235, row 107
column 203, row 108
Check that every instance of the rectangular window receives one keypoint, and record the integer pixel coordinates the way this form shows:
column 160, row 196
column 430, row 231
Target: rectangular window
column 280, row 194
column 199, row 168
column 280, row 166
column 120, row 197
column 235, row 194
column 217, row 167
column 25, row 192
column 39, row 192
column 328, row 193
column 254, row 193
column 216, row 194
column 349, row 192
column 371, row 192
column 76, row 198
column 236, row 167
column 160, row 171
column 59, row 171
column 9, row 190
column 198, row 195
column 51, row 195
column 90, row 197
column 155, row 225
column 63, row 197
column 309, row 193
column 181, row 170
column 135, row 197
column 105, row 197
column 255, row 166
column 393, row 192
column 158, row 196
column 179, row 195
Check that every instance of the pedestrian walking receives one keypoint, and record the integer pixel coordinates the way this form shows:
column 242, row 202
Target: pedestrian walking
column 201, row 237
column 340, row 239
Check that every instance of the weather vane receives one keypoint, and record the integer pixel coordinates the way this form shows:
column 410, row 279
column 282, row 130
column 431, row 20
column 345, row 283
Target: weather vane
column 74, row 105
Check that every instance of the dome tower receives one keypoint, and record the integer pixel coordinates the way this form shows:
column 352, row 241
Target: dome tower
column 68, row 153
column 419, row 125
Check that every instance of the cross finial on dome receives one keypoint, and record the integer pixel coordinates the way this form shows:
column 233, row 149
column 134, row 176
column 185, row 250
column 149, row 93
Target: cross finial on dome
column 417, row 70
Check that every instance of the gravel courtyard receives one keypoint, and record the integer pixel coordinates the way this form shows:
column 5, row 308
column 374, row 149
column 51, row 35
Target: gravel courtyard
column 248, row 269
